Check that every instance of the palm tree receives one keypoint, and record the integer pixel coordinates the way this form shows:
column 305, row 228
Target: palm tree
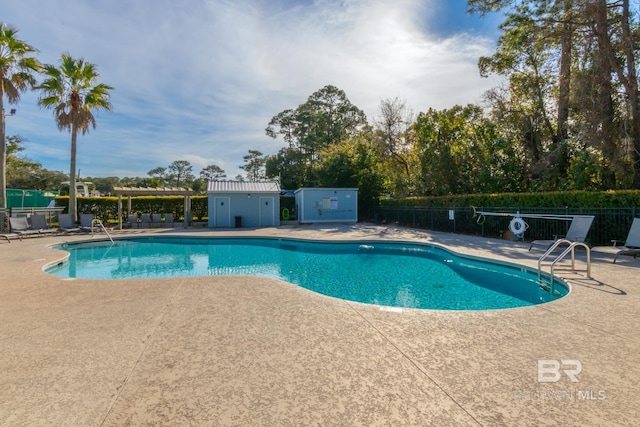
column 16, row 75
column 71, row 90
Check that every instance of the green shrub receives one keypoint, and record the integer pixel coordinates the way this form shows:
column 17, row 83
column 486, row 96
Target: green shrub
column 106, row 208
column 562, row 199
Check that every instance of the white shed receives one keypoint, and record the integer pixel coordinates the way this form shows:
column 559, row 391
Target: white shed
column 243, row 204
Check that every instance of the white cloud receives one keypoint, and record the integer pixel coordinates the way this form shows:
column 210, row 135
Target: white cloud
column 199, row 80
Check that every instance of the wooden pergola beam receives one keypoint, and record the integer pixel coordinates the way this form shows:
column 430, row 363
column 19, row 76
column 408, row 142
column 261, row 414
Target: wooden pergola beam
column 159, row 191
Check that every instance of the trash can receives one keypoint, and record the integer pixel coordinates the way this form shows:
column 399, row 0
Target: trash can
column 238, row 222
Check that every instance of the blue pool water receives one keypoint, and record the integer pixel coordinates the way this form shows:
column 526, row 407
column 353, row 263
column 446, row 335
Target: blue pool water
column 383, row 273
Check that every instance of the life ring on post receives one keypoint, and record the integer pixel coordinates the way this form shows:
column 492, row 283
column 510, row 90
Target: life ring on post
column 285, row 214
column 518, row 226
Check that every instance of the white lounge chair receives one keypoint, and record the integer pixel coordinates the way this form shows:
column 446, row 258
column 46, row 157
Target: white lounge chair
column 39, row 223
column 20, row 226
column 67, row 223
column 631, row 245
column 578, row 230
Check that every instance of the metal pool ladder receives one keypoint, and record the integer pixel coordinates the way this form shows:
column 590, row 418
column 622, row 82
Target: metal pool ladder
column 96, row 221
column 572, row 246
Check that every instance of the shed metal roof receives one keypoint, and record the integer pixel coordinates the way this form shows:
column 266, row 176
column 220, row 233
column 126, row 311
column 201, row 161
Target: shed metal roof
column 243, row 187
column 307, row 189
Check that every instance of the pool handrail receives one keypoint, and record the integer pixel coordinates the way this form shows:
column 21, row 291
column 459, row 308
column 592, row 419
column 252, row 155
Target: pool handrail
column 570, row 248
column 99, row 223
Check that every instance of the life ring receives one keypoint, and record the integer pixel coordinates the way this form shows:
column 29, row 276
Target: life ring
column 518, row 226
column 285, row 214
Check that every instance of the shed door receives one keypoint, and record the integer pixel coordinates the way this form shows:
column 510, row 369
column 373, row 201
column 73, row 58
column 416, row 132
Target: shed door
column 267, row 213
column 223, row 209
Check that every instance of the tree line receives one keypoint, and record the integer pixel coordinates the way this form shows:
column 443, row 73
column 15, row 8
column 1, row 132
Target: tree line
column 25, row 173
column 571, row 97
column 566, row 117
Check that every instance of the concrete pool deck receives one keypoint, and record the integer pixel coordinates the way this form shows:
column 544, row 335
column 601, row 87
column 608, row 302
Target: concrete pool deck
column 247, row 351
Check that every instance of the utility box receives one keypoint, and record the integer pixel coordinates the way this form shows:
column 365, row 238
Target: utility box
column 327, row 205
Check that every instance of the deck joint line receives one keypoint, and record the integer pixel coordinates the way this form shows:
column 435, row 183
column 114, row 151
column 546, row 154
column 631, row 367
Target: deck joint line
column 166, row 310
column 412, row 362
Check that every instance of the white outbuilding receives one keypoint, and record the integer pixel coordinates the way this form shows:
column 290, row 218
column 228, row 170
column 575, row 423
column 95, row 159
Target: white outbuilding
column 243, row 204
column 327, row 205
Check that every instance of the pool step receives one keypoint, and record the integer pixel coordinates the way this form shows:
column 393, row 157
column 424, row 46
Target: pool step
column 545, row 285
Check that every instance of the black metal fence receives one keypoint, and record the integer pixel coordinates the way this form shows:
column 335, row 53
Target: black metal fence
column 609, row 223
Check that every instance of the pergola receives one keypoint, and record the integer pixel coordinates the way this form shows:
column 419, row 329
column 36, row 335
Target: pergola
column 160, row 191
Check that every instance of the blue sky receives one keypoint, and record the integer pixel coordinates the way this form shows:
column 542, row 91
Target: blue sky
column 199, row 80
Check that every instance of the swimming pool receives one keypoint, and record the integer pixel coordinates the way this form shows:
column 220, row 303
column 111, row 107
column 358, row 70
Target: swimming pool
column 393, row 274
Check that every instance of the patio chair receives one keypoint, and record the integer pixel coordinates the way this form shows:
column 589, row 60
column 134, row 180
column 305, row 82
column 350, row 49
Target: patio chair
column 631, row 245
column 67, row 223
column 132, row 220
column 156, row 220
column 578, row 230
column 145, row 220
column 20, row 226
column 86, row 223
column 9, row 236
column 168, row 220
column 39, row 223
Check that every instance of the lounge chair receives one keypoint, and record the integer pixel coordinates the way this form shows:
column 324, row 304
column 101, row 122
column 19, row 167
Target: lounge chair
column 132, row 220
column 20, row 226
column 156, row 220
column 67, row 223
column 86, row 223
column 89, row 223
column 145, row 220
column 577, row 232
column 631, row 245
column 9, row 236
column 39, row 223
column 168, row 220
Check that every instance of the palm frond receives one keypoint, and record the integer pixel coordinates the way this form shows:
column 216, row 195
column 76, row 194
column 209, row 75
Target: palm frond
column 71, row 89
column 16, row 67
column 12, row 92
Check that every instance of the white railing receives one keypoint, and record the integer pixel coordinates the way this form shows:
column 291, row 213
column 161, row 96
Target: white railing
column 99, row 223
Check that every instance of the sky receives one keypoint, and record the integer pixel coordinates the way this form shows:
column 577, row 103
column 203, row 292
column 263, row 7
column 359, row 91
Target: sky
column 199, row 80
